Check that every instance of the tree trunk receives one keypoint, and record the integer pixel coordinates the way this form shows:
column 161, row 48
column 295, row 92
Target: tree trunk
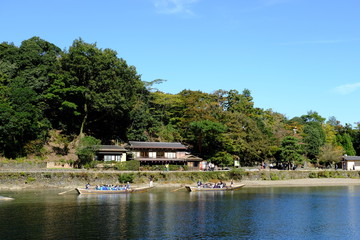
column 81, row 134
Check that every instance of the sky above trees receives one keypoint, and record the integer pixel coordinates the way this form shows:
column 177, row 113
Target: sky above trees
column 294, row 55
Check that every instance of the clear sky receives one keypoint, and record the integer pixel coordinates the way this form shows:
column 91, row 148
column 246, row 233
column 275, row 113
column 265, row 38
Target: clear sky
column 293, row 55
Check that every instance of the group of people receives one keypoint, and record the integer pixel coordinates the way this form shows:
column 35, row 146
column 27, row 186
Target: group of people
column 211, row 185
column 110, row 187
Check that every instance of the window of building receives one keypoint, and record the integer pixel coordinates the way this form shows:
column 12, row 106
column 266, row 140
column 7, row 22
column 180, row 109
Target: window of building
column 109, row 157
column 160, row 154
column 152, row 154
column 170, row 155
column 144, row 154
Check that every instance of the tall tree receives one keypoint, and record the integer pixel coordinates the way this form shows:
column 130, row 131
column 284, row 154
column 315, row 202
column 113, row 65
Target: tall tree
column 291, row 151
column 206, row 135
column 102, row 90
column 314, row 139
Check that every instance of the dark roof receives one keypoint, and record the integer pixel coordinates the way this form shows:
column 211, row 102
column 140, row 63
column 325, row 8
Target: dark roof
column 161, row 159
column 193, row 158
column 158, row 145
column 351, row 158
column 110, row 148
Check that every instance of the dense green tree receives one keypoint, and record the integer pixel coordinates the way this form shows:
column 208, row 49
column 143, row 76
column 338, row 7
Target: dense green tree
column 312, row 116
column 244, row 139
column 291, row 151
column 205, row 135
column 240, row 102
column 356, row 139
column 314, row 139
column 346, row 142
column 102, row 91
column 21, row 121
column 86, row 150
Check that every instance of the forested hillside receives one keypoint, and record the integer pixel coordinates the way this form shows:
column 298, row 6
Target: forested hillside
column 87, row 91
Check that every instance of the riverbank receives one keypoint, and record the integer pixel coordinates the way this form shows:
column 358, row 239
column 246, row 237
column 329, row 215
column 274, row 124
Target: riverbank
column 78, row 178
column 302, row 182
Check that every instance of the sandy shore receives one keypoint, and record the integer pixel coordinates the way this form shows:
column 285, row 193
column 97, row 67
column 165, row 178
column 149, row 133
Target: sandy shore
column 284, row 183
column 304, row 182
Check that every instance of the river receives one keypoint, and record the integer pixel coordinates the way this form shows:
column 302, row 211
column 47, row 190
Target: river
column 250, row 213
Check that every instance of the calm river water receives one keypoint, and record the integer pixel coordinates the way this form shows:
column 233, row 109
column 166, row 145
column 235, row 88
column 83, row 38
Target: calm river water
column 250, row 213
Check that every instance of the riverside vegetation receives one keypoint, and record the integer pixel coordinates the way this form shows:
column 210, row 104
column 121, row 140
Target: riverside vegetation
column 78, row 178
column 56, row 104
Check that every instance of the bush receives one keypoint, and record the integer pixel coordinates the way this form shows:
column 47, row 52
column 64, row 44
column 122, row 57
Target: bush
column 313, row 175
column 237, row 173
column 30, row 179
column 132, row 165
column 86, row 149
column 274, row 176
column 89, row 165
column 126, row 177
column 263, row 176
column 34, row 147
column 324, row 174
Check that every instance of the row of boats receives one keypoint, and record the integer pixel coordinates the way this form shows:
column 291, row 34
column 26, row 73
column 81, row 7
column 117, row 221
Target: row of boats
column 203, row 188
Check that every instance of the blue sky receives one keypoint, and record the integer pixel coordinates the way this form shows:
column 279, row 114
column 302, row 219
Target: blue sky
column 293, row 55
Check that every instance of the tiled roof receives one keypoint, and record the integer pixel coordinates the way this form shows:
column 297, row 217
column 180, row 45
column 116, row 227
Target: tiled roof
column 110, row 148
column 159, row 145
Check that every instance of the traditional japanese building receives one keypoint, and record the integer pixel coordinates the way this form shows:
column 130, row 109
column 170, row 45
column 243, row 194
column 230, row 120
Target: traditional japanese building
column 161, row 153
column 111, row 153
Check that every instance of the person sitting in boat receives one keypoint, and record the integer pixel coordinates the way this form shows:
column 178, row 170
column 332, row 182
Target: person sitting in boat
column 128, row 185
column 87, row 186
column 199, row 184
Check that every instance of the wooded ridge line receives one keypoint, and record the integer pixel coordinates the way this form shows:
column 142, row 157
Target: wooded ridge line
column 84, row 95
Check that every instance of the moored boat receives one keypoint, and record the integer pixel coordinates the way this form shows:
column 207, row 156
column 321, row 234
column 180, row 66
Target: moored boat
column 210, row 189
column 111, row 191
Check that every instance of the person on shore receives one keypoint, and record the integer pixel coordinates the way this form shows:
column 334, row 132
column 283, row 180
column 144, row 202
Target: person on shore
column 151, row 181
column 128, row 185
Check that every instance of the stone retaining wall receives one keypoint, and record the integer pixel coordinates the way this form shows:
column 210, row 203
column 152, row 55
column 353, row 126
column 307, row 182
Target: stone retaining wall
column 81, row 177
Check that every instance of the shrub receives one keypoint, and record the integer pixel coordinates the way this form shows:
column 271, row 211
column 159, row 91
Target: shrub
column 34, row 147
column 324, row 174
column 237, row 173
column 274, row 176
column 132, row 165
column 30, row 179
column 126, row 177
column 313, row 175
column 89, row 165
column 86, row 149
column 263, row 176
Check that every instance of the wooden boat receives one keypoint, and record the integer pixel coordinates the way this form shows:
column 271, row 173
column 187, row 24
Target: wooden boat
column 96, row 191
column 204, row 189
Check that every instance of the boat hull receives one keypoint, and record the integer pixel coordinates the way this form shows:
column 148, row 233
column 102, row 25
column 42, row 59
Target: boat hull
column 94, row 191
column 201, row 189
